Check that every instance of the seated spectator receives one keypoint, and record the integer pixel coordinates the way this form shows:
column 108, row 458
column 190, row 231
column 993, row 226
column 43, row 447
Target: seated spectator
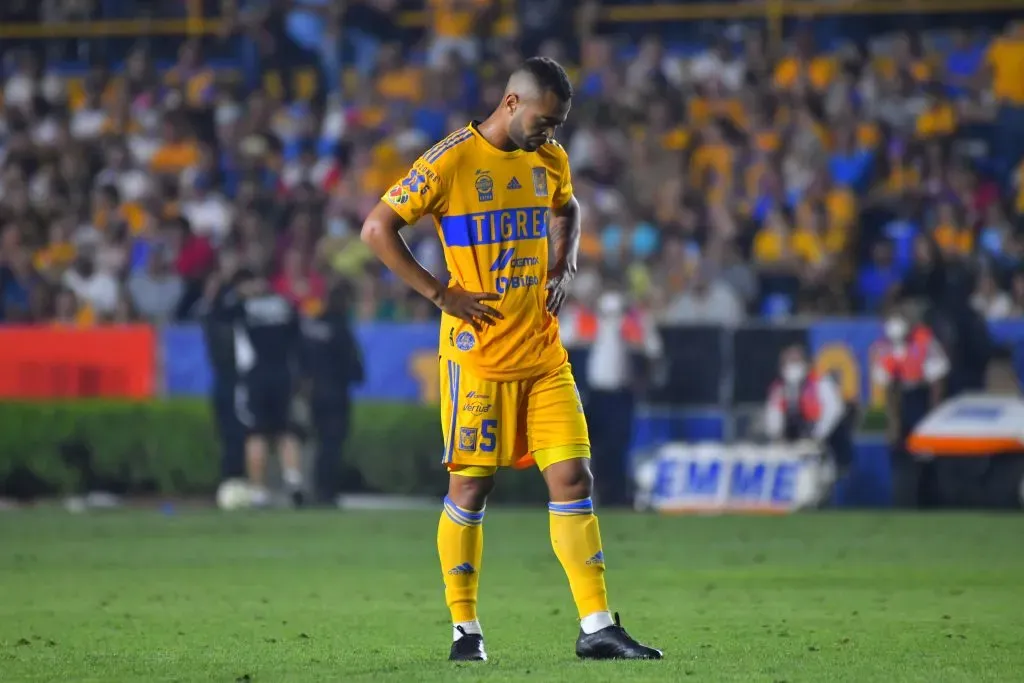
column 954, row 239
column 773, row 249
column 708, row 300
column 17, row 281
column 849, row 165
column 938, row 120
column 808, row 238
column 177, row 150
column 878, row 278
column 300, row 284
column 996, row 234
column 989, row 300
column 156, row 292
column 1017, row 293
column 97, row 289
column 68, row 311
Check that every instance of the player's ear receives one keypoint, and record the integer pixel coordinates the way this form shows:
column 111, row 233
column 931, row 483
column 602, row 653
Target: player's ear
column 511, row 102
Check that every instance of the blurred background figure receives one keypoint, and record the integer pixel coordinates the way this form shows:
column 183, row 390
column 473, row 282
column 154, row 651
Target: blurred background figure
column 625, row 350
column 912, row 367
column 267, row 348
column 333, row 364
column 805, row 405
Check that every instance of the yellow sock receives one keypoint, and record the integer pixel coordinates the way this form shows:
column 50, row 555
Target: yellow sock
column 576, row 538
column 460, row 544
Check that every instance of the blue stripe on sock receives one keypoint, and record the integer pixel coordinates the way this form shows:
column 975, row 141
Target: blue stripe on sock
column 576, row 507
column 462, row 516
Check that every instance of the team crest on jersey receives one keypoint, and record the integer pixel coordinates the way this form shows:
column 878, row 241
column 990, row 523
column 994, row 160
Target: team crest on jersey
column 465, row 341
column 484, row 186
column 513, row 184
column 540, row 181
column 467, row 438
column 398, row 195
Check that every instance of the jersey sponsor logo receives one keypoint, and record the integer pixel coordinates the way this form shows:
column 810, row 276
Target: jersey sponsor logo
column 467, row 438
column 465, row 341
column 495, row 227
column 540, row 181
column 475, row 394
column 484, row 186
column 398, row 195
column 505, row 259
column 503, row 284
column 513, row 184
column 476, row 407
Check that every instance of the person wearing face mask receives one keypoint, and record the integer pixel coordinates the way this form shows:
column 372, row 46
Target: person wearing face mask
column 912, row 365
column 805, row 405
column 617, row 334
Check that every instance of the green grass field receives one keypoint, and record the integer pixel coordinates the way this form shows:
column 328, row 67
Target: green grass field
column 201, row 596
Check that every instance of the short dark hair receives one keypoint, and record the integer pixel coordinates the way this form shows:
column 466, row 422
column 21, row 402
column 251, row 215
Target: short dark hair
column 549, row 75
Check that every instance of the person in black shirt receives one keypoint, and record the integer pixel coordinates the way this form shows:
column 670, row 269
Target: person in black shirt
column 218, row 335
column 267, row 345
column 332, row 364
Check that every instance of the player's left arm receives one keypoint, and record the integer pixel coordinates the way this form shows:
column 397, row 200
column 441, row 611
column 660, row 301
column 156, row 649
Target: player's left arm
column 564, row 233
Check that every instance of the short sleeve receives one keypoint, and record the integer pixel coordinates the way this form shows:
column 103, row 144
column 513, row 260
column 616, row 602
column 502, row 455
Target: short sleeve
column 420, row 192
column 563, row 193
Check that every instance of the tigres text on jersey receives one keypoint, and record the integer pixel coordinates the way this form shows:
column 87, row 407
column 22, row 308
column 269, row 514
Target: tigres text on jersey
column 491, row 209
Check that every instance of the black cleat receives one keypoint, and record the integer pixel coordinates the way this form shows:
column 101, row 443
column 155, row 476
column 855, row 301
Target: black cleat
column 468, row 648
column 612, row 642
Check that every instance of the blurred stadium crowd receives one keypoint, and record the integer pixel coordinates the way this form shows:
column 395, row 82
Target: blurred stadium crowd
column 720, row 178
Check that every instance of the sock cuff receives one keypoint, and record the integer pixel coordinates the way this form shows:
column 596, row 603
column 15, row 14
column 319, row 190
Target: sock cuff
column 571, row 508
column 461, row 516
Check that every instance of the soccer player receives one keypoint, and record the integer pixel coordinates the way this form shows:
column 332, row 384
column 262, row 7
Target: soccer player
column 496, row 190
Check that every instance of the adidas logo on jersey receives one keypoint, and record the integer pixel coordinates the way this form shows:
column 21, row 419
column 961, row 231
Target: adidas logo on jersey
column 513, row 184
column 464, row 568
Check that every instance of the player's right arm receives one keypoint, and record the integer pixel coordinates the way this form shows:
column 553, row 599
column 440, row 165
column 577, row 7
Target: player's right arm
column 422, row 191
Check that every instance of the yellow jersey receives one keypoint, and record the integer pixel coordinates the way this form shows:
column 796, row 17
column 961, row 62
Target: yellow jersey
column 492, row 211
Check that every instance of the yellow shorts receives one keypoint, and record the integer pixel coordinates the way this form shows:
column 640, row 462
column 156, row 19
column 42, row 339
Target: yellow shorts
column 489, row 424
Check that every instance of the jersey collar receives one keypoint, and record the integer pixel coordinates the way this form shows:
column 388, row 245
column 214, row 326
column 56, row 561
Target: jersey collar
column 491, row 149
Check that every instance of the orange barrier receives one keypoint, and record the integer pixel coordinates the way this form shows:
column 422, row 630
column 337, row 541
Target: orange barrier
column 57, row 362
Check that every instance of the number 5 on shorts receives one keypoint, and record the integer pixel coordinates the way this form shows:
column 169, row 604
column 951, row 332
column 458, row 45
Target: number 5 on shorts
column 489, row 439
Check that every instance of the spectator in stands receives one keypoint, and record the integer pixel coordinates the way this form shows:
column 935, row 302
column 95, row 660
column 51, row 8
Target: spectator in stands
column 878, row 278
column 97, row 289
column 707, row 300
column 156, row 292
column 454, row 27
column 1005, row 65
